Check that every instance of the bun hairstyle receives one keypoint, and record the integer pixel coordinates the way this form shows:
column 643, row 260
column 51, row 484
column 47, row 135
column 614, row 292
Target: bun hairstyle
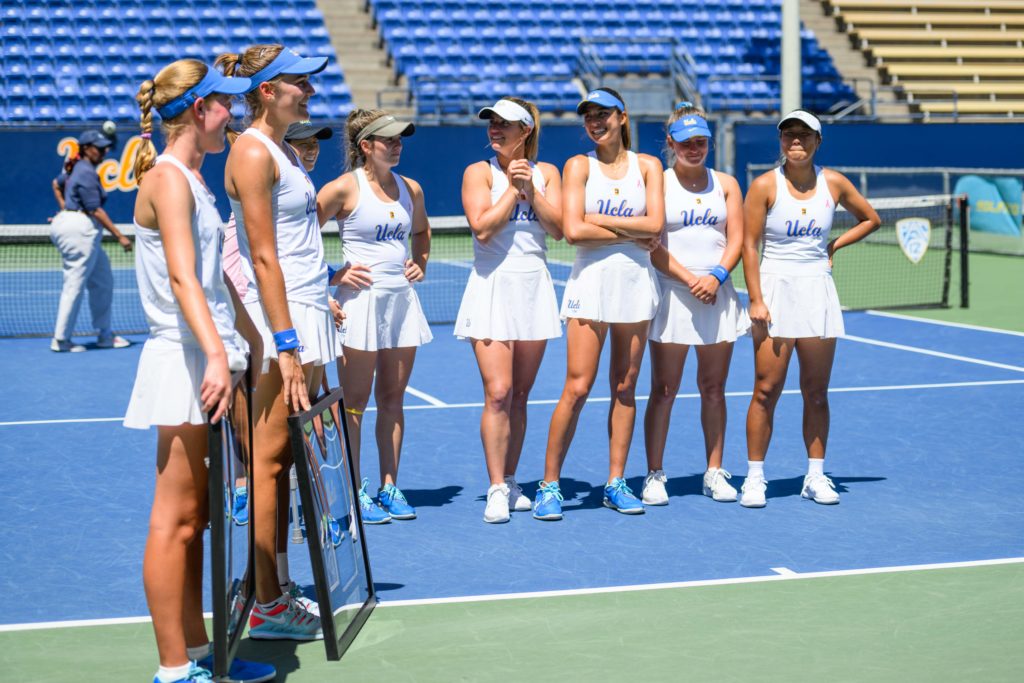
column 171, row 82
column 357, row 120
column 626, row 135
column 532, row 143
column 254, row 59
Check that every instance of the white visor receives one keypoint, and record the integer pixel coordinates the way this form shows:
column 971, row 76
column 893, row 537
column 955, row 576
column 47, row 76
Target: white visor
column 508, row 110
column 806, row 117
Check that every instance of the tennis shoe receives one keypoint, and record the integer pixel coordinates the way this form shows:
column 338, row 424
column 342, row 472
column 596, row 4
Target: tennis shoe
column 196, row 674
column 242, row 671
column 112, row 342
column 292, row 591
column 820, row 489
column 654, row 492
column 752, row 492
column 717, row 487
column 284, row 620
column 240, row 506
column 370, row 512
column 65, row 346
column 393, row 500
column 497, row 510
column 619, row 497
column 517, row 500
column 548, row 506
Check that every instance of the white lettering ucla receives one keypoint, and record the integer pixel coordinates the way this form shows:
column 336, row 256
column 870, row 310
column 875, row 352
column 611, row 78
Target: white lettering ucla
column 794, row 229
column 605, row 207
column 691, row 217
column 527, row 214
column 385, row 233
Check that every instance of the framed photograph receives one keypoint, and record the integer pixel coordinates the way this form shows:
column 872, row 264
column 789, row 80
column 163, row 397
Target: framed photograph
column 232, row 566
column 334, row 528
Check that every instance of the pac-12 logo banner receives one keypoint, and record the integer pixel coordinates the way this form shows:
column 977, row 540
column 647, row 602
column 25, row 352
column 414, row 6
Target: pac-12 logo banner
column 913, row 235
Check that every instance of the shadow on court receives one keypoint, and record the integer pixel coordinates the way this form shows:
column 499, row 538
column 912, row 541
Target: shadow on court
column 432, row 498
column 281, row 653
column 791, row 486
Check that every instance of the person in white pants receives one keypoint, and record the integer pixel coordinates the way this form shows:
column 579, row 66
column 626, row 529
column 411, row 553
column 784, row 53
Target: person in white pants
column 77, row 232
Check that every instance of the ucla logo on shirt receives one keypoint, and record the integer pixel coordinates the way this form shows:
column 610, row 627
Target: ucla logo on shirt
column 310, row 203
column 803, row 211
column 385, row 233
column 391, row 215
column 615, row 191
column 573, row 305
column 698, row 200
column 795, row 229
column 522, row 214
column 691, row 217
column 608, row 207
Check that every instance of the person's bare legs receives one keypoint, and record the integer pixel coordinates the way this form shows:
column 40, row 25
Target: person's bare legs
column 355, row 374
column 495, row 360
column 771, row 362
column 712, row 371
column 816, row 357
column 628, row 342
column 667, row 361
column 527, row 357
column 394, row 367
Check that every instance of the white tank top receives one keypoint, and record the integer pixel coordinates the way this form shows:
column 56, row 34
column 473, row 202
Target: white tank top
column 695, row 223
column 162, row 310
column 300, row 247
column 626, row 197
column 796, row 230
column 376, row 233
column 523, row 235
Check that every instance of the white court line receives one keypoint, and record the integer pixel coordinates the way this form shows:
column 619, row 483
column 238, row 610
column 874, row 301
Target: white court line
column 436, row 402
column 929, row 352
column 604, row 399
column 944, row 323
column 788, row 575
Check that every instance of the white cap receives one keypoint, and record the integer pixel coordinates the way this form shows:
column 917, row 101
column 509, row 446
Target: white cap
column 804, row 116
column 508, row 110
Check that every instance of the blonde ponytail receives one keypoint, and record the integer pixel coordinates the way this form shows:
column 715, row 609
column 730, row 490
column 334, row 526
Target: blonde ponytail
column 171, row 82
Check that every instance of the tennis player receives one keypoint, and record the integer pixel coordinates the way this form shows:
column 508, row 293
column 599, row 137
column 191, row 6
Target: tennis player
column 274, row 203
column 509, row 310
column 793, row 300
column 699, row 306
column 184, row 370
column 387, row 242
column 613, row 211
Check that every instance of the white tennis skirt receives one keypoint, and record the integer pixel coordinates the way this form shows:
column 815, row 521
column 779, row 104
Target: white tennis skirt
column 682, row 319
column 514, row 301
column 168, row 380
column 382, row 317
column 614, row 289
column 314, row 327
column 802, row 301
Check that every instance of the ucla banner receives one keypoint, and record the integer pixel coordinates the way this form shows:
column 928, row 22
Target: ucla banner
column 995, row 203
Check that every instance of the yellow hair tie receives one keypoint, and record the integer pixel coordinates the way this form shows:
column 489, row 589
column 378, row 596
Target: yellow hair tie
column 353, row 411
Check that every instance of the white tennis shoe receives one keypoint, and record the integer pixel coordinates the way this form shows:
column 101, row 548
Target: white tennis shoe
column 517, row 502
column 654, row 492
column 497, row 510
column 717, row 487
column 752, row 492
column 820, row 489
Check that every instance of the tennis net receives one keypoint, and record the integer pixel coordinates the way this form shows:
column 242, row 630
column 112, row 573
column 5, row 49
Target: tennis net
column 876, row 273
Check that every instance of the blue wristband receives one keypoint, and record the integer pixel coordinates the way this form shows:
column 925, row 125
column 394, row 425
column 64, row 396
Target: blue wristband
column 286, row 340
column 330, row 273
column 720, row 273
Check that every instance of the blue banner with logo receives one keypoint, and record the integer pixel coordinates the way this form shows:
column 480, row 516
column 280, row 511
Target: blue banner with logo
column 995, row 203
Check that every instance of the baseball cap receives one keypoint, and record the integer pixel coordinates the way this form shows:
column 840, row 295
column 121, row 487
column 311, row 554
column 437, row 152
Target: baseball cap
column 806, row 117
column 288, row 62
column 303, row 130
column 94, row 138
column 689, row 127
column 508, row 110
column 601, row 98
column 212, row 82
column 386, row 127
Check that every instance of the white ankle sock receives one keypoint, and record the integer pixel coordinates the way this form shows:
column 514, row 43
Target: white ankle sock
column 755, row 468
column 198, row 652
column 815, row 466
column 169, row 674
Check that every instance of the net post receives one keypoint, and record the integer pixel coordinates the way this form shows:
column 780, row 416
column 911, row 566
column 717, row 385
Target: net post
column 965, row 252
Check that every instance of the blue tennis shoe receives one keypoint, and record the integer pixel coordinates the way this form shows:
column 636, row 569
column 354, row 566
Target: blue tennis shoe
column 618, row 496
column 548, row 506
column 370, row 512
column 242, row 671
column 393, row 500
column 196, row 674
column 240, row 506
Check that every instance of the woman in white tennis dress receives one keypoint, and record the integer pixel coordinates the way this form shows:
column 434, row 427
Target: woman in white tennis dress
column 509, row 310
column 793, row 300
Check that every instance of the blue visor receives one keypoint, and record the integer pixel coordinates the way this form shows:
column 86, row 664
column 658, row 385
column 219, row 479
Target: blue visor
column 689, row 127
column 602, row 99
column 291, row 63
column 213, row 82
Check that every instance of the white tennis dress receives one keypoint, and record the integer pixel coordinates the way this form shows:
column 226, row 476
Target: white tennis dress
column 613, row 283
column 387, row 314
column 695, row 237
column 300, row 253
column 509, row 295
column 172, row 364
column 796, row 280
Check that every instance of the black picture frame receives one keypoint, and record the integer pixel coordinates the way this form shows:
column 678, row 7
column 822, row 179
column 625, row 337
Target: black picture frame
column 233, row 596
column 328, row 491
